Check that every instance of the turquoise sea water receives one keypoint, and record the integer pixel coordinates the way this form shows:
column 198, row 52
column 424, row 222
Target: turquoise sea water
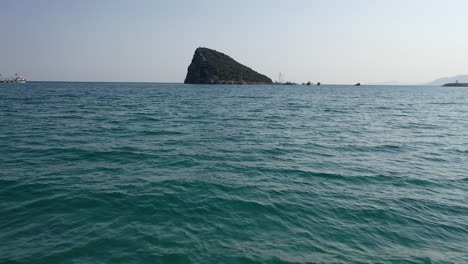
column 168, row 173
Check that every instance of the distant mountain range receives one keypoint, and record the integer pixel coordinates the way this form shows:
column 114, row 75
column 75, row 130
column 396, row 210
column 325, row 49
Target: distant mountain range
column 438, row 82
column 445, row 80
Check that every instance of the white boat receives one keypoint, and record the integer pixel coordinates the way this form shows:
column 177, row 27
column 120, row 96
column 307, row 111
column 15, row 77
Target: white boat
column 19, row 79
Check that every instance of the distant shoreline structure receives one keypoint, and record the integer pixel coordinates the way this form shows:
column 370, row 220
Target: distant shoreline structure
column 456, row 84
column 16, row 79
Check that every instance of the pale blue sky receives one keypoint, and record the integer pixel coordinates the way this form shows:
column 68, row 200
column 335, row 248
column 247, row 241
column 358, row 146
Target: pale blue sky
column 331, row 41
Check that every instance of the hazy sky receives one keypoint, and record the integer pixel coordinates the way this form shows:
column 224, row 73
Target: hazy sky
column 148, row 40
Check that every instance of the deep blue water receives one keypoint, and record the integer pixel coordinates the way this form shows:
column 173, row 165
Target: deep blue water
column 167, row 173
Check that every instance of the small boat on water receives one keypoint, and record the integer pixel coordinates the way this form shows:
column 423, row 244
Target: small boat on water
column 17, row 79
column 357, row 84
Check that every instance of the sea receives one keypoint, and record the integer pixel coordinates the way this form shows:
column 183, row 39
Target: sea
column 174, row 173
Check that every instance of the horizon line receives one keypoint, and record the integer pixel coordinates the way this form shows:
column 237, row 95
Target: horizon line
column 300, row 84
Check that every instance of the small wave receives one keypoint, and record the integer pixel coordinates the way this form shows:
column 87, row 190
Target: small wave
column 335, row 110
column 373, row 149
column 332, row 176
column 144, row 118
column 384, row 108
column 161, row 133
column 75, row 154
column 444, row 103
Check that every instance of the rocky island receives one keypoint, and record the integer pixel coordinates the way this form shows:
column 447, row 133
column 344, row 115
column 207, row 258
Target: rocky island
column 212, row 67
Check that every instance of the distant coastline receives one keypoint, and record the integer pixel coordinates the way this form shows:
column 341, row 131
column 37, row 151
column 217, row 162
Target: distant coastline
column 456, row 84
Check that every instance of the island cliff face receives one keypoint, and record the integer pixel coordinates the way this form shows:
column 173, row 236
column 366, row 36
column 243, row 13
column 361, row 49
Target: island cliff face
column 211, row 67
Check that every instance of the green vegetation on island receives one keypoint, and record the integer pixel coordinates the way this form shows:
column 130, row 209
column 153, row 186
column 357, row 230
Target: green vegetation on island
column 212, row 67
